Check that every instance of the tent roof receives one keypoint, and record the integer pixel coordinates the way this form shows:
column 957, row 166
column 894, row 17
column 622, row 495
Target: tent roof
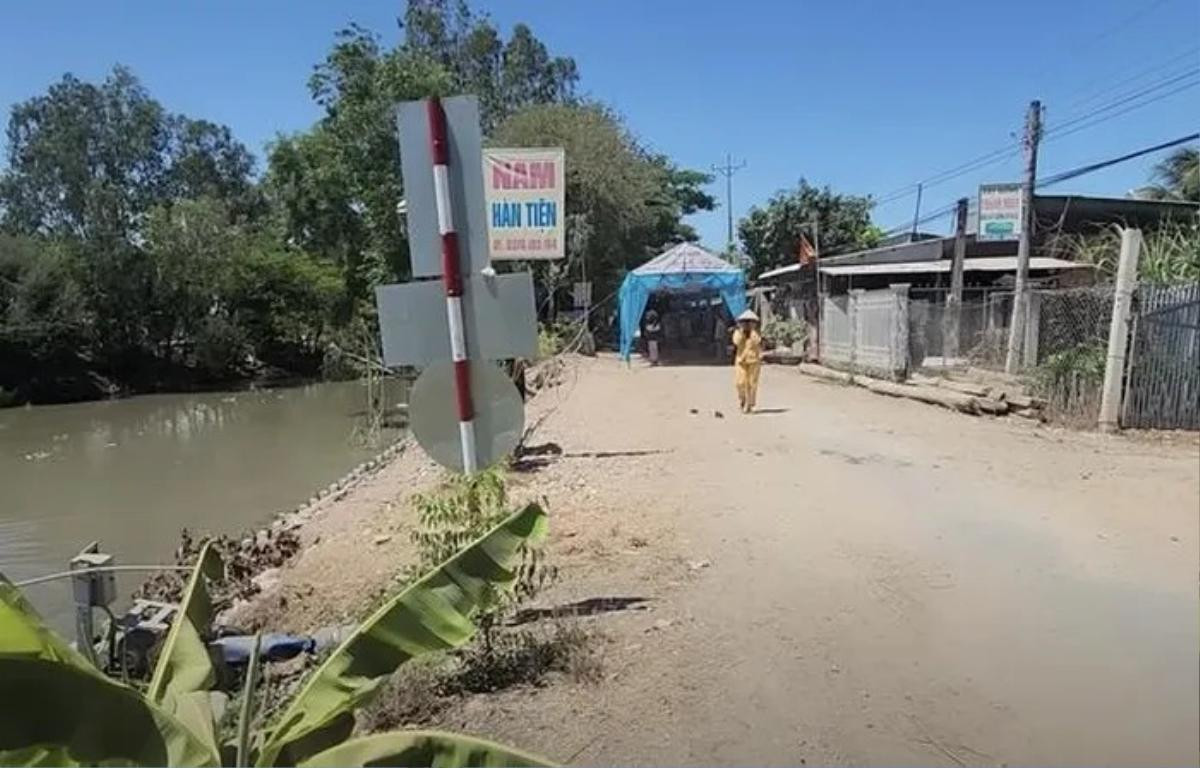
column 685, row 258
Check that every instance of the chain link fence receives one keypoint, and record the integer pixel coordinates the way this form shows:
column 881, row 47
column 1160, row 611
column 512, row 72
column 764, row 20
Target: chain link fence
column 980, row 338
column 1065, row 342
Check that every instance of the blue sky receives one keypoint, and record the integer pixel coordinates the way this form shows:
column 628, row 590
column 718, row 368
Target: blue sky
column 868, row 97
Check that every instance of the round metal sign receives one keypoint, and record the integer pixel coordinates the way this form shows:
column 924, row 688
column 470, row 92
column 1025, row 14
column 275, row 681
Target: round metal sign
column 433, row 419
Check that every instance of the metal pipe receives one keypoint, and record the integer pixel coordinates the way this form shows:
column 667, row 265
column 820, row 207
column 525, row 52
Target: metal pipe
column 99, row 569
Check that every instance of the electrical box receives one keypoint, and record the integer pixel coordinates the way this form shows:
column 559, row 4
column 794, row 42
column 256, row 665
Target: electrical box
column 93, row 588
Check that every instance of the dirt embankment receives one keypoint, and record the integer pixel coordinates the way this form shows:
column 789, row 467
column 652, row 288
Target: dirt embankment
column 840, row 578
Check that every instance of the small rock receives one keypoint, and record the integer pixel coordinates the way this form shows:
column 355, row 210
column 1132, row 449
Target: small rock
column 718, row 414
column 693, row 411
column 660, row 625
column 382, row 538
column 1175, row 539
column 698, row 565
column 835, row 669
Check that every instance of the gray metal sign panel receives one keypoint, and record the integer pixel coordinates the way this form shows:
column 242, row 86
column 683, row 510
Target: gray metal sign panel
column 499, row 314
column 466, row 185
column 499, row 414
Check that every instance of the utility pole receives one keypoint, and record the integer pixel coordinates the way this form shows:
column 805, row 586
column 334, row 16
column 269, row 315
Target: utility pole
column 727, row 171
column 1016, row 329
column 951, row 320
column 917, row 212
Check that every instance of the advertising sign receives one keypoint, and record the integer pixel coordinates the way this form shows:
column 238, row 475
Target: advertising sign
column 999, row 212
column 525, row 194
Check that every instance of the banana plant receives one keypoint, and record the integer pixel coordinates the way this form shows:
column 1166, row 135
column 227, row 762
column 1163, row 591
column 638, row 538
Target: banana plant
column 57, row 709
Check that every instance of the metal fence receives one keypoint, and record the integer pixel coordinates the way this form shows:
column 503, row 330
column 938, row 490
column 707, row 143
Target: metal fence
column 867, row 331
column 1163, row 384
column 982, row 331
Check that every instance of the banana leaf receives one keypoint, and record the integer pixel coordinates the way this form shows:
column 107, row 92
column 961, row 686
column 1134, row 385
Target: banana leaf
column 57, row 709
column 24, row 635
column 184, row 673
column 421, row 748
column 434, row 614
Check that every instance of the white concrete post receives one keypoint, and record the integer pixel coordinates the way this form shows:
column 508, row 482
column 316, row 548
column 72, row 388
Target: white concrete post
column 852, row 311
column 1118, row 330
column 1033, row 324
column 900, row 330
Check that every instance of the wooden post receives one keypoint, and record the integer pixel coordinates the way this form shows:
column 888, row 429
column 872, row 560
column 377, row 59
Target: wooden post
column 1118, row 330
column 953, row 310
column 1016, row 330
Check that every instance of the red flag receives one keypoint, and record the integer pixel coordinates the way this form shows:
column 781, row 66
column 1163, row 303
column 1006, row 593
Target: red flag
column 805, row 252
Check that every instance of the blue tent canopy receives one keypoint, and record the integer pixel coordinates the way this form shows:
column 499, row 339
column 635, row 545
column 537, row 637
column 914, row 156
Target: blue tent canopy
column 684, row 269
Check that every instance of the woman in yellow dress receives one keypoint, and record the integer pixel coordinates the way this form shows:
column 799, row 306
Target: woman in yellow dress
column 747, row 361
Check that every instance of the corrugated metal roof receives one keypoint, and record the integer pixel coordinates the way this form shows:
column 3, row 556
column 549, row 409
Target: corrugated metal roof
column 779, row 271
column 988, row 264
column 685, row 258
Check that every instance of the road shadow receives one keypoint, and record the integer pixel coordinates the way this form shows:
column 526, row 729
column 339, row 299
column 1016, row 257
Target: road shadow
column 612, row 454
column 528, row 459
column 535, row 458
column 589, row 607
column 769, row 411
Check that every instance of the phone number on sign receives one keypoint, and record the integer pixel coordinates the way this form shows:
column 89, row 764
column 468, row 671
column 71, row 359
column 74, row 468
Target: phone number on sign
column 500, row 245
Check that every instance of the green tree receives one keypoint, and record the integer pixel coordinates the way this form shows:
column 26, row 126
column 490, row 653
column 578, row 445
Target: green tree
column 506, row 75
column 1177, row 177
column 190, row 248
column 623, row 203
column 43, row 322
column 283, row 300
column 771, row 235
column 87, row 164
column 337, row 186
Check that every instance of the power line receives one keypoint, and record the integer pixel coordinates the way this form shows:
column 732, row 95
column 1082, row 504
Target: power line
column 1083, row 170
column 1130, row 108
column 1061, row 177
column 1111, row 86
column 990, row 158
column 1125, row 99
column 1012, row 150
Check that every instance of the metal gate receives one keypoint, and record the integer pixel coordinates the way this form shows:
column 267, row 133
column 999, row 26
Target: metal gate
column 1163, row 387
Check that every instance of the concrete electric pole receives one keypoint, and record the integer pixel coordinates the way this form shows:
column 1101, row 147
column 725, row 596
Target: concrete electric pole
column 1016, row 329
column 951, row 320
column 727, row 171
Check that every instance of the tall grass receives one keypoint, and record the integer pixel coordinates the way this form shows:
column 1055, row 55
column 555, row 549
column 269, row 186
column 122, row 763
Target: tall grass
column 1170, row 254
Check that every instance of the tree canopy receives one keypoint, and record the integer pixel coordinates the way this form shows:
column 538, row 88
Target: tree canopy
column 771, row 235
column 139, row 249
column 1176, row 178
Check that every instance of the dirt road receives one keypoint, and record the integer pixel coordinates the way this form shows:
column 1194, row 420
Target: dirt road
column 847, row 578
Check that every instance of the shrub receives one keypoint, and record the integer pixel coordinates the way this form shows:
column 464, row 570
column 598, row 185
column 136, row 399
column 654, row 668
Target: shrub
column 778, row 332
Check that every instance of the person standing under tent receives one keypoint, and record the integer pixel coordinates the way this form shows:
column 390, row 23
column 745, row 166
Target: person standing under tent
column 747, row 361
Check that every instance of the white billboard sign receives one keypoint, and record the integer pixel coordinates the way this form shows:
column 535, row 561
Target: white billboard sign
column 525, row 194
column 1000, row 212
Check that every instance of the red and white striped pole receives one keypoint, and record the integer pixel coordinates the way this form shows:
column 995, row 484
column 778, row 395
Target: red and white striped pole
column 453, row 282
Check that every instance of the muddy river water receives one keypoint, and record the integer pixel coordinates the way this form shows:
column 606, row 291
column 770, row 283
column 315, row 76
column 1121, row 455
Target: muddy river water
column 131, row 473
